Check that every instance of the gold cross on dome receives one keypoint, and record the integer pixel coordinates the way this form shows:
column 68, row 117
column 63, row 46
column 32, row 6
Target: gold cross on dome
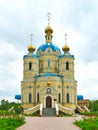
column 65, row 37
column 31, row 36
column 49, row 16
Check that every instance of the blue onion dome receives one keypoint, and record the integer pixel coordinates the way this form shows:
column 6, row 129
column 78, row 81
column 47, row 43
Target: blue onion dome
column 46, row 46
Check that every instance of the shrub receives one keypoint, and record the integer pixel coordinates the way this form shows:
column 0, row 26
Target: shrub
column 88, row 124
column 11, row 123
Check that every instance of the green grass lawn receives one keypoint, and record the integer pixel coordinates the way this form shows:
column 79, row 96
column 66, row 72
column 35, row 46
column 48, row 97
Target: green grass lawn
column 11, row 123
column 88, row 124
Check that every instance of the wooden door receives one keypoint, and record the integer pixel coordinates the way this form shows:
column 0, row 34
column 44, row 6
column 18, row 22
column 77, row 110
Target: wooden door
column 48, row 102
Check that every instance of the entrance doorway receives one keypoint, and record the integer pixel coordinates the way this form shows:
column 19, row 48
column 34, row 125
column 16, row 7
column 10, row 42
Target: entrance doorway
column 48, row 102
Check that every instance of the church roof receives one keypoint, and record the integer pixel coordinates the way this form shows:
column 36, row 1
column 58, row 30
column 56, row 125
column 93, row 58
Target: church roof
column 67, row 55
column 48, row 74
column 18, row 97
column 79, row 97
column 33, row 55
column 45, row 46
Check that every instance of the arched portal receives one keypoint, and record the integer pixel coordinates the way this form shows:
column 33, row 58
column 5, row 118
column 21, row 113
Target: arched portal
column 48, row 102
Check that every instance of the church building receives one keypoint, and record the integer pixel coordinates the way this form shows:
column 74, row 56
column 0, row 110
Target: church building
column 48, row 77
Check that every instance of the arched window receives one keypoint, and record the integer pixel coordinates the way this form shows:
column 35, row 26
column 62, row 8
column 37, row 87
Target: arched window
column 57, row 64
column 37, row 97
column 30, row 98
column 48, row 50
column 59, row 98
column 48, row 38
column 40, row 63
column 22, row 98
column 48, row 62
column 67, row 97
column 67, row 65
column 75, row 99
column 67, row 87
column 30, row 65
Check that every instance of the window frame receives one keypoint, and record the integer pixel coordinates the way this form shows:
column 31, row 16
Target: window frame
column 67, row 98
column 67, row 65
column 30, row 98
column 38, row 97
column 30, row 65
column 49, row 62
column 59, row 97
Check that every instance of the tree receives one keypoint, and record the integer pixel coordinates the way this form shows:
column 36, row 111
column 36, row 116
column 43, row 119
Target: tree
column 94, row 106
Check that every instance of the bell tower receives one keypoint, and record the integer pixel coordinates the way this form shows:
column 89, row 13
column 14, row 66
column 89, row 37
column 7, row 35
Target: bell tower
column 30, row 62
column 30, row 69
column 66, row 69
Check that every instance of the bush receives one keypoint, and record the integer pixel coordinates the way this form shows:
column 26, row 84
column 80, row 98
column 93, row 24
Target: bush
column 88, row 124
column 33, row 114
column 62, row 114
column 11, row 123
column 87, row 113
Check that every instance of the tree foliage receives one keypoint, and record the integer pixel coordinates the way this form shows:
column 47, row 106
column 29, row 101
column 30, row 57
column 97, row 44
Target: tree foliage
column 94, row 106
column 5, row 105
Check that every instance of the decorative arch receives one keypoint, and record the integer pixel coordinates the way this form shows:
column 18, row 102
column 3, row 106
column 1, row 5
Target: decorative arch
column 52, row 99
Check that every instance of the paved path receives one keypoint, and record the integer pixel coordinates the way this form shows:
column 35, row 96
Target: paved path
column 50, row 123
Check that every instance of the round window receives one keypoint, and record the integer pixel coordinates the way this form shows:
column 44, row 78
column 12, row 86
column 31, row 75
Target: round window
column 48, row 90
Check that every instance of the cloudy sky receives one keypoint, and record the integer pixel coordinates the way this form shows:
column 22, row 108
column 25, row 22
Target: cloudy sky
column 20, row 18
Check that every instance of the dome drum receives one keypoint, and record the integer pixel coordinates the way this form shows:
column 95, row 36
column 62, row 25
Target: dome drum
column 44, row 47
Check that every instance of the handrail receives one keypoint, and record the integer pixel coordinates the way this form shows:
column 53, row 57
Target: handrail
column 57, row 109
column 32, row 109
column 86, row 108
column 79, row 108
column 41, row 108
column 65, row 109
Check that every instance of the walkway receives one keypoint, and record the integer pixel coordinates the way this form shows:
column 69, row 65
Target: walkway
column 50, row 123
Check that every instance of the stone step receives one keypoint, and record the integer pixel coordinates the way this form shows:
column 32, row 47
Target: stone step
column 49, row 112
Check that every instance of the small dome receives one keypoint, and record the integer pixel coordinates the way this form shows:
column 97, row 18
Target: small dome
column 66, row 48
column 48, row 29
column 18, row 97
column 80, row 97
column 31, row 48
column 48, row 83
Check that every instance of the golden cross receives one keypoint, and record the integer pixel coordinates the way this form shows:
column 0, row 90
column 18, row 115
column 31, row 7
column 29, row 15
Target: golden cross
column 65, row 37
column 31, row 36
column 49, row 17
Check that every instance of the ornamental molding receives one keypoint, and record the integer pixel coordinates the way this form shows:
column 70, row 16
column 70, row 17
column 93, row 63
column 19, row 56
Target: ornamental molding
column 51, row 78
column 68, row 80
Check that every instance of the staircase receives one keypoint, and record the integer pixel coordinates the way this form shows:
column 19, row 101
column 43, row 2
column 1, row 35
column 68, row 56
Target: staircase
column 49, row 112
